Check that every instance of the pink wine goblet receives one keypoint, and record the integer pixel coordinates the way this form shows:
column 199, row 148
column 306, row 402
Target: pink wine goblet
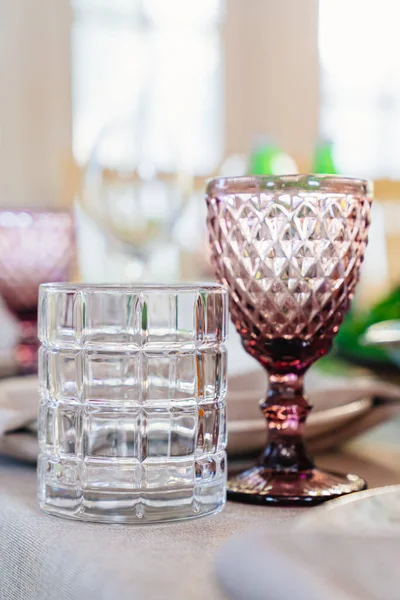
column 36, row 246
column 289, row 251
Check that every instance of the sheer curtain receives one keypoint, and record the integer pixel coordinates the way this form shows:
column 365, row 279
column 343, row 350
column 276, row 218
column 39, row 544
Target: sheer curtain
column 360, row 84
column 156, row 61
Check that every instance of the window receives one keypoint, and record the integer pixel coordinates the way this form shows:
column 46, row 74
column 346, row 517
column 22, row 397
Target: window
column 360, row 84
column 155, row 63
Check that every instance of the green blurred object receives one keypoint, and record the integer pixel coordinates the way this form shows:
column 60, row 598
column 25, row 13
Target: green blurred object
column 262, row 157
column 348, row 341
column 323, row 162
column 332, row 364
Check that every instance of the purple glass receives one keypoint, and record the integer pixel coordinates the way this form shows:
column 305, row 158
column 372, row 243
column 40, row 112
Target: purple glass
column 289, row 251
column 35, row 247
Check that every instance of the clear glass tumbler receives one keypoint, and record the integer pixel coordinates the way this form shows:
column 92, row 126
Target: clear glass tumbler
column 132, row 417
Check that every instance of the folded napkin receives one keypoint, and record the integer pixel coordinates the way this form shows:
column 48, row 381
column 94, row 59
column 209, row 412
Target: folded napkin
column 19, row 401
column 311, row 566
column 347, row 549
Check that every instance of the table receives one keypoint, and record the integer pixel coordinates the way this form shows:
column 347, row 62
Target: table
column 45, row 558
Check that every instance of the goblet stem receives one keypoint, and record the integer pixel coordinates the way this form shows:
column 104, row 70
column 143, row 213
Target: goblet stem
column 286, row 475
column 285, row 410
column 286, row 406
column 26, row 352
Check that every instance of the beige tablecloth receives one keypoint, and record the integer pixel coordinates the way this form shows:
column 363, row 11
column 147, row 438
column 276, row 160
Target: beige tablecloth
column 45, row 558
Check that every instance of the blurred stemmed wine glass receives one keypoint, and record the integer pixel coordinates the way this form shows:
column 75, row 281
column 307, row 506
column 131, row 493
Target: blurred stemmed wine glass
column 133, row 200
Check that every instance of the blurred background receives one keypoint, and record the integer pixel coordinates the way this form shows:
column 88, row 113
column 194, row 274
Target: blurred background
column 116, row 112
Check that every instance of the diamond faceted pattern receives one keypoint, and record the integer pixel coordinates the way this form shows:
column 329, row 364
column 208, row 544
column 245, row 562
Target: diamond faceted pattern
column 287, row 256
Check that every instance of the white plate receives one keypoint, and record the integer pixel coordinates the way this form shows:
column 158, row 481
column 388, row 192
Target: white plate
column 249, row 435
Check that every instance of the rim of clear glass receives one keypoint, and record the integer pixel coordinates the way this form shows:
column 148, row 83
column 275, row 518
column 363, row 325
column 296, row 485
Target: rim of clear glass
column 209, row 288
column 335, row 184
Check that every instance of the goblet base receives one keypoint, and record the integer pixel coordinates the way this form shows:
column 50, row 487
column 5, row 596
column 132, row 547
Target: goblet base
column 291, row 488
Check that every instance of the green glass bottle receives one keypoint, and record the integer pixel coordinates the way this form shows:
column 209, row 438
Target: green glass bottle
column 267, row 158
column 323, row 162
column 262, row 157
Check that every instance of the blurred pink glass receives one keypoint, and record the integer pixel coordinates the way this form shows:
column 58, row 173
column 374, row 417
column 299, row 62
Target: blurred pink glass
column 36, row 246
column 289, row 251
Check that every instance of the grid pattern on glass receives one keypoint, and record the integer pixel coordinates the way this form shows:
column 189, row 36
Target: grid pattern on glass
column 132, row 417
